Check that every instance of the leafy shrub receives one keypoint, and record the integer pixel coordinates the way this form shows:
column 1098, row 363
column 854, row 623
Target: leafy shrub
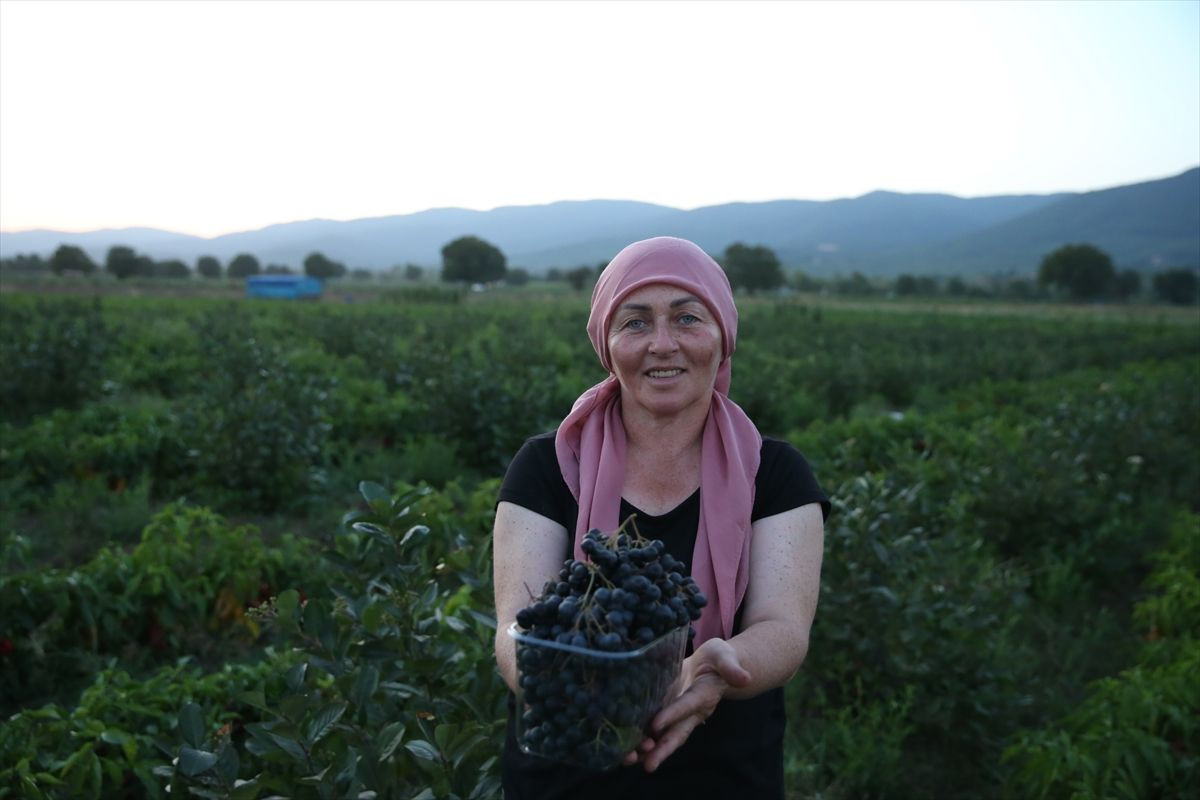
column 256, row 432
column 1137, row 734
column 110, row 742
column 388, row 696
column 53, row 355
column 912, row 616
column 183, row 590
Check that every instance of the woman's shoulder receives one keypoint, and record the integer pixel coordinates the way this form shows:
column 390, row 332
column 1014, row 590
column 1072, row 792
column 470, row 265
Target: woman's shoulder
column 776, row 450
column 785, row 480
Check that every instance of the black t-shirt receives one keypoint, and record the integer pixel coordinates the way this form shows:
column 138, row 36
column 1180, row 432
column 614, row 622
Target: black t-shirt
column 738, row 752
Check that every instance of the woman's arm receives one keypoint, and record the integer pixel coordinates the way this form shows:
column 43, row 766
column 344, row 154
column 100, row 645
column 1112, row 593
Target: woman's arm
column 528, row 550
column 781, row 599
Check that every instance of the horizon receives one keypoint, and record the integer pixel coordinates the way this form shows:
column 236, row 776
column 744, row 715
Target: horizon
column 556, row 202
column 203, row 119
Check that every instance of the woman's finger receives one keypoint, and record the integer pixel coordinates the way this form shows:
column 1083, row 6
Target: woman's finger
column 698, row 700
column 669, row 743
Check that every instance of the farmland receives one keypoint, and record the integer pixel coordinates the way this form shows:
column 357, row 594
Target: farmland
column 254, row 537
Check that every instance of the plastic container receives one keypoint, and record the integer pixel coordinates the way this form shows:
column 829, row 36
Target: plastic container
column 590, row 707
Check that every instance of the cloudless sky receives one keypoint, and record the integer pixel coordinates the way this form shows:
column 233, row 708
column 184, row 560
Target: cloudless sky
column 212, row 117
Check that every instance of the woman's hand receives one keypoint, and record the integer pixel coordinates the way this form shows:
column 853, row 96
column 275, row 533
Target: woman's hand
column 704, row 679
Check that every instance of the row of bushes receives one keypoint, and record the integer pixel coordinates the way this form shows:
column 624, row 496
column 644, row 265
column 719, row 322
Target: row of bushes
column 262, row 411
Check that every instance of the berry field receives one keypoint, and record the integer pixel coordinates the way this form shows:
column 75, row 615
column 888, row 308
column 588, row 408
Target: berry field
column 245, row 545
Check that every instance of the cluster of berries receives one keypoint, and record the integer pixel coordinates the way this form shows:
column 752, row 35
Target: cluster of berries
column 615, row 627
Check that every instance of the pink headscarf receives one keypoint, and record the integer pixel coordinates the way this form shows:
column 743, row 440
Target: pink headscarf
column 590, row 443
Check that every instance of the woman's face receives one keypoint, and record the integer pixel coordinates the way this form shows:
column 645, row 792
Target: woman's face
column 665, row 347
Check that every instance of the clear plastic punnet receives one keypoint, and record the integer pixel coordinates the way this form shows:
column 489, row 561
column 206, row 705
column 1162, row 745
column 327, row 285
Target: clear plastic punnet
column 590, row 707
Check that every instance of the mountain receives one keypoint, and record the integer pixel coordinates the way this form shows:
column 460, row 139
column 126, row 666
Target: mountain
column 1145, row 225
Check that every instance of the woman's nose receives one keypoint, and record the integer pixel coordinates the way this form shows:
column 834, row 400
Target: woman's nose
column 663, row 340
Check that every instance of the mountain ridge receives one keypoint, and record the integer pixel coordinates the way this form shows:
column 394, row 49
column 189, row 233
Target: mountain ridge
column 1145, row 225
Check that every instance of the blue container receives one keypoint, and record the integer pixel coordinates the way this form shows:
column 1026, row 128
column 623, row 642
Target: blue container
column 284, row 287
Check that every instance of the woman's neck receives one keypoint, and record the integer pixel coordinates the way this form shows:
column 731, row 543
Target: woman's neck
column 667, row 436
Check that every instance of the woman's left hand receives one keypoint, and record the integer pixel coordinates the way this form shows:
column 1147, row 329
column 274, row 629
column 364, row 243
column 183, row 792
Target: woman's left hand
column 705, row 677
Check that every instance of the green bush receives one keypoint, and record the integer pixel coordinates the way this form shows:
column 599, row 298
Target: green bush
column 53, row 355
column 183, row 590
column 388, row 696
column 1135, row 735
column 110, row 742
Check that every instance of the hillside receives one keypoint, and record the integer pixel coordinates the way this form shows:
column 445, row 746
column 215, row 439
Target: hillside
column 1145, row 225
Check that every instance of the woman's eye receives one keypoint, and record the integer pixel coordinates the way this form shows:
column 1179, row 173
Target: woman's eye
column 634, row 324
column 689, row 319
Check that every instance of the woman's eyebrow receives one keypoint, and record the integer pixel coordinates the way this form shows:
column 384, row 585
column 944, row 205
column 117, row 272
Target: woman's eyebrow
column 682, row 301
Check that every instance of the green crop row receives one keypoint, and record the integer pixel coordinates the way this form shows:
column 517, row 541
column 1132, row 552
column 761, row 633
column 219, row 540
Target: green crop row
column 183, row 591
column 109, row 408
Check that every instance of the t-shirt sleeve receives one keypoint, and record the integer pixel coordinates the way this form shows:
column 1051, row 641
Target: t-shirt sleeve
column 785, row 481
column 534, row 481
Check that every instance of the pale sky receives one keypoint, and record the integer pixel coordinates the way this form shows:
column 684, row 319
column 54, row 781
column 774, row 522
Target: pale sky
column 213, row 117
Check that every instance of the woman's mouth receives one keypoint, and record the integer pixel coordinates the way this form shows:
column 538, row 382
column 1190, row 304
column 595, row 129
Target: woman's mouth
column 664, row 373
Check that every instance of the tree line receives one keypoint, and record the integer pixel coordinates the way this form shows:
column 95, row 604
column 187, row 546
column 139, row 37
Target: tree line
column 1079, row 272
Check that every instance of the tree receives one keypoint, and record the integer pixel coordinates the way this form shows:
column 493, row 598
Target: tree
column 472, row 260
column 278, row 269
column 243, row 265
column 208, row 267
column 172, row 268
column 27, row 263
column 906, row 285
column 517, row 277
column 122, row 262
column 413, row 272
column 1178, row 286
column 803, row 282
column 856, row 284
column 316, row 265
column 956, row 287
column 70, row 258
column 752, row 268
column 1082, row 270
column 362, row 274
column 1127, row 283
column 579, row 276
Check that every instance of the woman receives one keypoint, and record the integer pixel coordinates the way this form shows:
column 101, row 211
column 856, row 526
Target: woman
column 660, row 438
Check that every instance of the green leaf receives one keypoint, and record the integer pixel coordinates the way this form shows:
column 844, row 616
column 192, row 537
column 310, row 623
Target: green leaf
column 245, row 790
column 422, row 749
column 228, row 764
column 462, row 748
column 442, row 735
column 486, row 619
column 323, row 721
column 415, row 530
column 365, row 686
column 289, row 746
column 313, row 780
column 372, row 617
column 192, row 762
column 377, row 497
column 254, row 698
column 286, row 604
column 295, row 675
column 371, row 529
column 389, row 740
column 191, row 725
